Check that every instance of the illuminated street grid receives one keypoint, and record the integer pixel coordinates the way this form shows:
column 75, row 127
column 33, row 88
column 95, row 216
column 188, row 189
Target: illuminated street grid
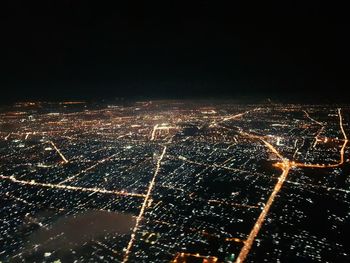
column 197, row 182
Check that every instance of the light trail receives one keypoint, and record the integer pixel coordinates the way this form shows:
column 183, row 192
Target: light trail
column 154, row 132
column 296, row 148
column 269, row 145
column 86, row 169
column 273, row 149
column 239, row 115
column 285, row 166
column 7, row 136
column 59, row 152
column 318, row 123
column 234, row 116
column 234, row 239
column 181, row 257
column 229, row 159
column 143, row 207
column 317, row 137
column 72, row 102
column 157, row 127
column 309, row 117
column 341, row 124
column 68, row 187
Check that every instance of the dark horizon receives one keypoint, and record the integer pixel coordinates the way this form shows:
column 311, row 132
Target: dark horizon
column 75, row 50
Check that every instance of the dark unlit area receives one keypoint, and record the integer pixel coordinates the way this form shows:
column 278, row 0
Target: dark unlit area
column 73, row 231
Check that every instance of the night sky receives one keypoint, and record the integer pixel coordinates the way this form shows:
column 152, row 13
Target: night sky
column 176, row 49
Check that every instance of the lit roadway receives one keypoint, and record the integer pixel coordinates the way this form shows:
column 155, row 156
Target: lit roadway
column 285, row 165
column 68, row 187
column 145, row 204
column 59, row 152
